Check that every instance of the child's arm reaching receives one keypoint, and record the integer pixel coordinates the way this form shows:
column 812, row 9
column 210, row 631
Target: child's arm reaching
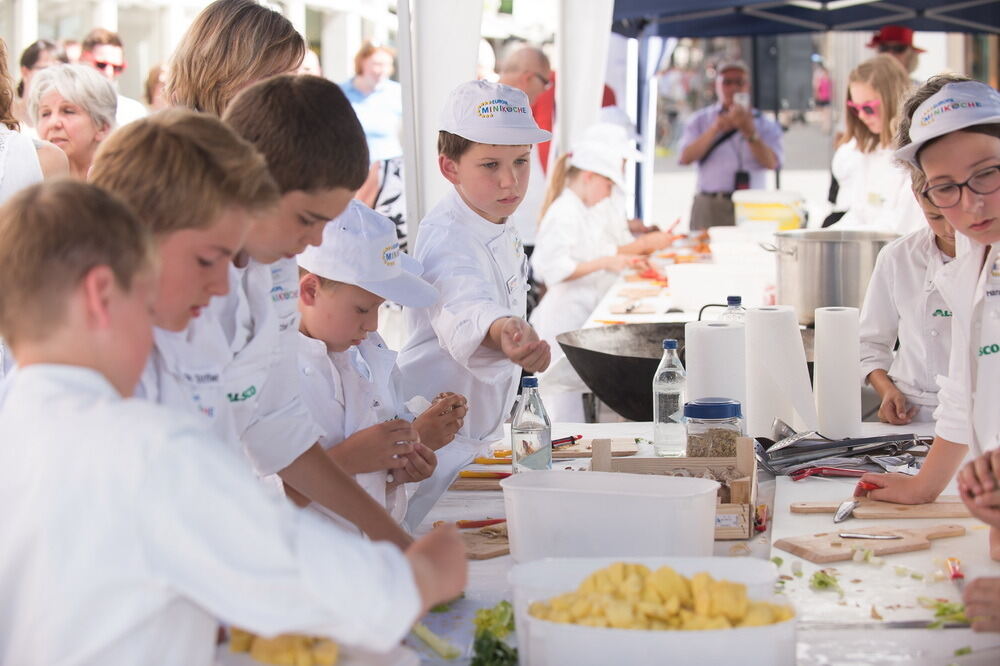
column 894, row 408
column 937, row 470
column 519, row 342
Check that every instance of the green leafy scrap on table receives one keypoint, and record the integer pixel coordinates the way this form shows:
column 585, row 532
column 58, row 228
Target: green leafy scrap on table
column 945, row 612
column 492, row 625
column 823, row 580
column 963, row 650
column 444, row 649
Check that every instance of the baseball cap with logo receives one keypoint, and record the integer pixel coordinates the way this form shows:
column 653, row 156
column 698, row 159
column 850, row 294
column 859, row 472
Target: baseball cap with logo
column 360, row 247
column 491, row 113
column 954, row 107
column 601, row 158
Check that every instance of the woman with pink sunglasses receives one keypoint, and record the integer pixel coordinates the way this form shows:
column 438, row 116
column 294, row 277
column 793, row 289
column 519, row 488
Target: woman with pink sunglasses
column 874, row 190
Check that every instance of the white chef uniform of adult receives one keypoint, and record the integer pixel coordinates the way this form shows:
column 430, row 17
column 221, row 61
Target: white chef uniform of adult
column 480, row 270
column 879, row 197
column 970, row 394
column 261, row 319
column 903, row 304
column 128, row 532
column 349, row 391
column 570, row 233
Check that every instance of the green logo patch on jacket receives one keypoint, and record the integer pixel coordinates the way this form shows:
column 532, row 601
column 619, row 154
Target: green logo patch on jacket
column 941, row 313
column 989, row 350
column 245, row 395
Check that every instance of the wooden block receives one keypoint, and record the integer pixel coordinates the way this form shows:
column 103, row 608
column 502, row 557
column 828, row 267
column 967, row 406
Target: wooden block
column 826, row 547
column 600, row 460
column 739, row 491
column 745, row 460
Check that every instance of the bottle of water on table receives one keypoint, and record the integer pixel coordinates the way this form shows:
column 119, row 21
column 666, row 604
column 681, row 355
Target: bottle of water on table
column 530, row 430
column 735, row 312
column 669, row 437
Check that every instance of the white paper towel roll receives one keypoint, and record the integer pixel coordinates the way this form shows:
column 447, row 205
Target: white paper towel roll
column 777, row 376
column 715, row 360
column 837, row 354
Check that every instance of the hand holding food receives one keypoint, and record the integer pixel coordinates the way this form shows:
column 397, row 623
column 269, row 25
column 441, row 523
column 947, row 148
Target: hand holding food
column 439, row 423
column 417, row 466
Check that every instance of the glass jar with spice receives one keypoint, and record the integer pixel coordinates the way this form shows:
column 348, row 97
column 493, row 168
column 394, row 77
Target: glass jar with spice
column 713, row 425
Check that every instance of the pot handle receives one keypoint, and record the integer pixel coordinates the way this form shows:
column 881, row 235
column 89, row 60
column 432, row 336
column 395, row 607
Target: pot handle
column 769, row 247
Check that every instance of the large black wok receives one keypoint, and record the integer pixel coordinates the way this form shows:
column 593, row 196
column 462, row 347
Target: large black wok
column 617, row 362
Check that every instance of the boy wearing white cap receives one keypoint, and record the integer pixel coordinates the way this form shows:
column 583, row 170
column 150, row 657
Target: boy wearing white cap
column 348, row 375
column 474, row 340
column 950, row 131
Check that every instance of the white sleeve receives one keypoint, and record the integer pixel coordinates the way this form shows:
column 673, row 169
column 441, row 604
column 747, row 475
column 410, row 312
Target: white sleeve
column 953, row 416
column 211, row 532
column 553, row 260
column 879, row 326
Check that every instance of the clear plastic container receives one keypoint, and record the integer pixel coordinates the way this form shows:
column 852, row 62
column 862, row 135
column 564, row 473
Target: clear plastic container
column 713, row 424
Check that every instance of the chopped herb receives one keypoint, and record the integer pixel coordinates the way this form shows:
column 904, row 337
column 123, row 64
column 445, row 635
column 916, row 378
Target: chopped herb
column 963, row 650
column 777, row 561
column 823, row 580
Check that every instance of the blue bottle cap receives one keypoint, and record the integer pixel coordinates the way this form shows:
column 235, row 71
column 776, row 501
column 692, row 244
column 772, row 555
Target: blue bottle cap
column 713, row 408
column 734, row 300
column 670, row 343
column 529, row 382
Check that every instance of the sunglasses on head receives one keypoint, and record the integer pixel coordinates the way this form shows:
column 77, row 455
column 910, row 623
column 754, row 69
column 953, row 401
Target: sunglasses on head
column 103, row 66
column 898, row 49
column 868, row 108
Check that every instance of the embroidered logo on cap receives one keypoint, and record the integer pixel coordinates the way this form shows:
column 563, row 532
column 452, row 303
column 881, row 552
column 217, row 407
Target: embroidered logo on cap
column 946, row 106
column 494, row 106
column 390, row 253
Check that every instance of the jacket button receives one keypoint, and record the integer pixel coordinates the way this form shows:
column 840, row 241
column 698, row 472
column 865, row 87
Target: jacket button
column 934, row 334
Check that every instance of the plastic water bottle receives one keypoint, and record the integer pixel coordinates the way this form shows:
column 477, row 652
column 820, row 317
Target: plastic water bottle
column 530, row 430
column 735, row 312
column 669, row 437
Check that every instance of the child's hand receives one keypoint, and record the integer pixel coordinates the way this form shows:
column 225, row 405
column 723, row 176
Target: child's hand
column 616, row 263
column 894, row 408
column 982, row 604
column 979, row 488
column 519, row 342
column 440, row 569
column 655, row 241
column 417, row 466
column 439, row 423
column 382, row 446
column 897, row 488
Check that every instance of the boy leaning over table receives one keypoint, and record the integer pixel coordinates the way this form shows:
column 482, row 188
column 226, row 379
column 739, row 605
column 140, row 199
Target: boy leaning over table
column 474, row 340
column 127, row 530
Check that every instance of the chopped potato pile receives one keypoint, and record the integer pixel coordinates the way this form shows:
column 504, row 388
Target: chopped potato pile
column 286, row 649
column 630, row 596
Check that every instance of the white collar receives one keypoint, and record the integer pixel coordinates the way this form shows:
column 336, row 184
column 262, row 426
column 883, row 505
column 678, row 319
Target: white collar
column 480, row 227
column 62, row 378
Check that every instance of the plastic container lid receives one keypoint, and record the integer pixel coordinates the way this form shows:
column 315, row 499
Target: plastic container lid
column 734, row 300
column 529, row 382
column 713, row 408
column 670, row 343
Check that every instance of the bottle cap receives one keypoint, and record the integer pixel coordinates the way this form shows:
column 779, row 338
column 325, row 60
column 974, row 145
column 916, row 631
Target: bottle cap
column 734, row 300
column 713, row 408
column 529, row 382
column 670, row 343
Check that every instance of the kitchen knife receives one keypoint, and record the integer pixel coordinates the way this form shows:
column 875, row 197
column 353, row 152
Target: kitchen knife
column 847, row 507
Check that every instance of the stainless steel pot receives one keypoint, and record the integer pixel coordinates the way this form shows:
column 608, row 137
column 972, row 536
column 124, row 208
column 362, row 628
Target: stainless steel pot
column 819, row 268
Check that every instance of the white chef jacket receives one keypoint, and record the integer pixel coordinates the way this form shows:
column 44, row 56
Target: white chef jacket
column 127, row 533
column 612, row 211
column 350, row 391
column 876, row 191
column 969, row 397
column 481, row 274
column 903, row 304
column 261, row 320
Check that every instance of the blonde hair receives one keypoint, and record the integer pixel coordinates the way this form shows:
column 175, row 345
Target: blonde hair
column 6, row 93
column 179, row 169
column 892, row 82
column 367, row 50
column 51, row 235
column 230, row 45
column 561, row 174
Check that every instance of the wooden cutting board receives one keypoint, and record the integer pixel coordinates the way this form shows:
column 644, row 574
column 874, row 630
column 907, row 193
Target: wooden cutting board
column 481, row 547
column 620, row 446
column 946, row 506
column 828, row 547
column 475, row 484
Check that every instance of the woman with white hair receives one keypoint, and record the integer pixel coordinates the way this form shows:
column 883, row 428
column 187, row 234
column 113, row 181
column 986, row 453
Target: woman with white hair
column 74, row 107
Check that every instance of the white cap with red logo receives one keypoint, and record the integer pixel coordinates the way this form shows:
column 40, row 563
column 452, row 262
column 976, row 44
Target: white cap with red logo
column 491, row 113
column 956, row 106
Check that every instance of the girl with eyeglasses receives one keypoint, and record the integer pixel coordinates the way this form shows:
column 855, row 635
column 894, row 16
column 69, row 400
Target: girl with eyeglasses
column 950, row 132
column 874, row 191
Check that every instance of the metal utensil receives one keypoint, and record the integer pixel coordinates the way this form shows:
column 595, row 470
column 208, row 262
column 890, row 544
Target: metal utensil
column 858, row 535
column 847, row 507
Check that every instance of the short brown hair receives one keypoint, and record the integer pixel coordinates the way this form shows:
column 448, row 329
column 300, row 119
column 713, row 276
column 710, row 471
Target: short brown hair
column 51, row 235
column 231, row 44
column 179, row 169
column 98, row 37
column 453, row 146
column 367, row 50
column 892, row 82
column 306, row 130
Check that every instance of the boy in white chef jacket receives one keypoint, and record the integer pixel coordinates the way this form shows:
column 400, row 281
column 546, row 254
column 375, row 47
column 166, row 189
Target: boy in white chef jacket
column 318, row 161
column 950, row 130
column 348, row 374
column 903, row 304
column 138, row 530
column 474, row 340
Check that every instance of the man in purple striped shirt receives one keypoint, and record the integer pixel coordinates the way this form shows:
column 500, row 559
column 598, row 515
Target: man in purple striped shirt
column 733, row 144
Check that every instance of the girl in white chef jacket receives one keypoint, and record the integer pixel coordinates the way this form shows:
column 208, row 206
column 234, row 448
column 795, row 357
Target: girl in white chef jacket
column 874, row 189
column 574, row 258
column 145, row 515
column 348, row 375
column 903, row 304
column 950, row 130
